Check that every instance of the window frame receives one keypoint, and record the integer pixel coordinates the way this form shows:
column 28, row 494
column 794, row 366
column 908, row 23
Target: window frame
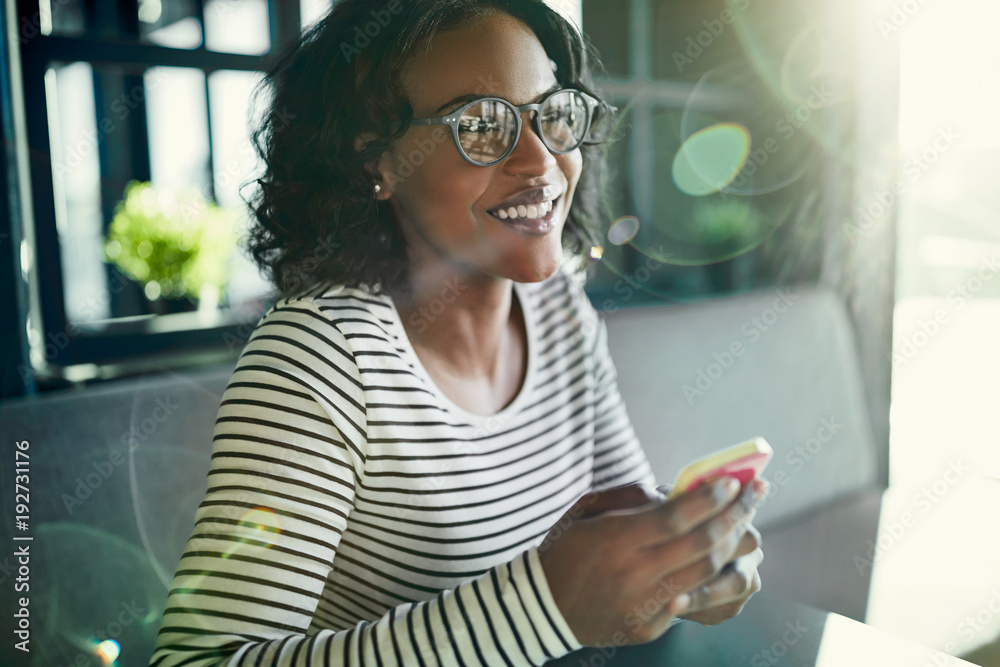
column 640, row 89
column 57, row 353
column 860, row 268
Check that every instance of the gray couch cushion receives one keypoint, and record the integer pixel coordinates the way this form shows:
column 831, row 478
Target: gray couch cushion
column 116, row 474
column 700, row 377
column 118, row 470
column 813, row 559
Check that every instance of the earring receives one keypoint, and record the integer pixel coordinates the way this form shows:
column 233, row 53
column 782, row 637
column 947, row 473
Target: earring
column 378, row 188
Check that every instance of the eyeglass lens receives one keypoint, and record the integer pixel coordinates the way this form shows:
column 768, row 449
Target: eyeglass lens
column 486, row 130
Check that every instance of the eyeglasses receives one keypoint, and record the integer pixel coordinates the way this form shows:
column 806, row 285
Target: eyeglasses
column 486, row 130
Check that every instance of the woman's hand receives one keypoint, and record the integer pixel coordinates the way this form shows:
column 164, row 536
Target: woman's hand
column 618, row 557
column 725, row 595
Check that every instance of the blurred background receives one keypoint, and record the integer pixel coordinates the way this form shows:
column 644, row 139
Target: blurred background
column 845, row 147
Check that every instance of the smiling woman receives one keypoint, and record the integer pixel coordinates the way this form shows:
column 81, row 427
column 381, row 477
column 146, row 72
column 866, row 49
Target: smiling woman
column 367, row 97
column 414, row 457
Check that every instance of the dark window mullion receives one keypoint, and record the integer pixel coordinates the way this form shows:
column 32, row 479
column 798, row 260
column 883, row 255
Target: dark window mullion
column 210, row 180
column 111, row 44
column 199, row 10
column 209, row 193
column 89, row 17
column 119, row 52
column 47, row 256
column 17, row 380
column 47, row 248
column 128, row 18
column 123, row 155
column 284, row 21
column 642, row 140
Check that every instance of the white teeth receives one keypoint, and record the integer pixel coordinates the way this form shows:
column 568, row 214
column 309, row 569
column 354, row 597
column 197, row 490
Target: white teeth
column 532, row 212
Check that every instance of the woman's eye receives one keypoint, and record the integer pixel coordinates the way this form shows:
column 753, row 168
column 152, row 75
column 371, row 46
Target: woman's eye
column 559, row 116
column 479, row 125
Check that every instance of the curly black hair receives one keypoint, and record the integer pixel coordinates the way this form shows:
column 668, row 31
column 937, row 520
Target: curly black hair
column 315, row 218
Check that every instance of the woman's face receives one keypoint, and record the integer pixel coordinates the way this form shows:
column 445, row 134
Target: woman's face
column 447, row 207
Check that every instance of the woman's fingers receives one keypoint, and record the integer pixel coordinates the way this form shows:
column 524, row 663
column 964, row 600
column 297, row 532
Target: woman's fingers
column 665, row 489
column 600, row 569
column 709, row 546
column 678, row 571
column 698, row 507
column 736, row 583
column 676, row 517
column 750, row 495
column 720, row 599
column 723, row 567
column 750, row 541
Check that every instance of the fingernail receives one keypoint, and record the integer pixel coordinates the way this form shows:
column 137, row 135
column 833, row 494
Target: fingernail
column 732, row 486
column 681, row 602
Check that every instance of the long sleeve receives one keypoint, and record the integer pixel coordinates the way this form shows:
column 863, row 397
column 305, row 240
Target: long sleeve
column 619, row 458
column 288, row 457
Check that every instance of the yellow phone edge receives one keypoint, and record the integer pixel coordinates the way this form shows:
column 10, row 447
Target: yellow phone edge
column 706, row 464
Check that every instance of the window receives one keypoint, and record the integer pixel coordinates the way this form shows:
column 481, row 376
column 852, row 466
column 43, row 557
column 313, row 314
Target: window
column 717, row 182
column 722, row 181
column 102, row 83
column 755, row 134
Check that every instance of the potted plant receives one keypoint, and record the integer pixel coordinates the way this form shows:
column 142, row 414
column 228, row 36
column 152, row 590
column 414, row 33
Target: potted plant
column 175, row 244
column 728, row 231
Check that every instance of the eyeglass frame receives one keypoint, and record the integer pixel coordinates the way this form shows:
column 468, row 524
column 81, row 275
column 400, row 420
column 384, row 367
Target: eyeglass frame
column 452, row 119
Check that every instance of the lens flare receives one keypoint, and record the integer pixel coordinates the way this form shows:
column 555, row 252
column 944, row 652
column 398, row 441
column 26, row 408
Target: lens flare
column 261, row 520
column 107, row 651
column 706, row 178
column 711, row 158
column 623, row 230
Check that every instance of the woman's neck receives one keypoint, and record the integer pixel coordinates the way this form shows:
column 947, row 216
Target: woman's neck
column 467, row 323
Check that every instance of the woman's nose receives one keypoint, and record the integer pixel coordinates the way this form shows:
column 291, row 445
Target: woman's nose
column 530, row 153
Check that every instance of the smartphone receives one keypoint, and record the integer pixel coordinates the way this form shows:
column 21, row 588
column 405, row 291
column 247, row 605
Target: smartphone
column 744, row 461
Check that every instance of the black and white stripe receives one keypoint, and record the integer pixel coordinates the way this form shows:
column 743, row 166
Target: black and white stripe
column 356, row 516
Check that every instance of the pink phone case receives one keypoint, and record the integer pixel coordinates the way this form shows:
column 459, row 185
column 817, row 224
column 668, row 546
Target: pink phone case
column 744, row 469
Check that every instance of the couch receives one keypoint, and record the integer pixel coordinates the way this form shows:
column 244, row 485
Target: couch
column 118, row 469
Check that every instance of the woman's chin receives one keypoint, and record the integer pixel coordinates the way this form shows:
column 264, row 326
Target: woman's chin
column 532, row 267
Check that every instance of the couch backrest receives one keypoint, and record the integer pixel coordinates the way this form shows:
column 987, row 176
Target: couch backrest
column 116, row 474
column 118, row 470
column 781, row 364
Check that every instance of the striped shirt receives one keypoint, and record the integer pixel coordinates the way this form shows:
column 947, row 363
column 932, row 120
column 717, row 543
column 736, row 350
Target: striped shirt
column 357, row 516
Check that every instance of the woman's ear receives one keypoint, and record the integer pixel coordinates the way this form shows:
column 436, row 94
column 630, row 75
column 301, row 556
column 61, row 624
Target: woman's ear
column 382, row 172
column 362, row 140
